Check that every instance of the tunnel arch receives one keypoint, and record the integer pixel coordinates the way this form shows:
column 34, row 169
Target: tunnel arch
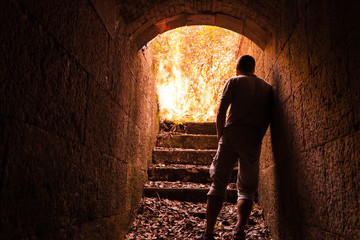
column 255, row 20
column 246, row 27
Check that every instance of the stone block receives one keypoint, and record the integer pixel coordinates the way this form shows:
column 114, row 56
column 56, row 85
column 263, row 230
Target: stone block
column 257, row 53
column 137, row 177
column 4, row 136
column 187, row 194
column 42, row 187
column 134, row 150
column 20, row 63
column 342, row 181
column 189, row 7
column 64, row 183
column 310, row 188
column 91, row 45
column 171, row 23
column 62, row 98
column 332, row 115
column 288, row 20
column 107, row 180
column 314, row 232
column 137, row 101
column 354, row 83
column 144, row 34
column 299, row 56
column 200, row 19
column 104, row 228
column 121, row 36
column 230, row 23
column 58, row 18
column 126, row 85
column 281, row 80
column 188, row 173
column 129, row 151
column 266, row 156
column 42, row 85
column 187, row 141
column 141, row 151
column 318, row 28
column 142, row 69
column 269, row 198
column 115, row 65
column 280, row 132
column 106, row 123
column 108, row 14
column 200, row 128
column 178, row 156
column 356, row 139
column 269, row 59
column 258, row 34
column 293, row 129
column 260, row 67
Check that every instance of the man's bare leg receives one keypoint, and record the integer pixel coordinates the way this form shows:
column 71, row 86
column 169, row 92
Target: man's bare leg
column 244, row 207
column 213, row 208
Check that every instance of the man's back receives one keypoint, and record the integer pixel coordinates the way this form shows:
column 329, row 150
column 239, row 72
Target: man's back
column 250, row 99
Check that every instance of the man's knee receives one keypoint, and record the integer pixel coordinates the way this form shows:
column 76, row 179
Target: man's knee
column 244, row 195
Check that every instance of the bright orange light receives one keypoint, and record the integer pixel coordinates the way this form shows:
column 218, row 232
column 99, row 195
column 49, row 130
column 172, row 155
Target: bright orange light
column 191, row 65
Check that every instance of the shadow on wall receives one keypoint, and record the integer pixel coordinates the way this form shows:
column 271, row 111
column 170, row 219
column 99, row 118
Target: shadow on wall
column 284, row 176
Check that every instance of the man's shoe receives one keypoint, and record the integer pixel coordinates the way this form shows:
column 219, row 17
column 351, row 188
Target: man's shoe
column 238, row 235
column 208, row 237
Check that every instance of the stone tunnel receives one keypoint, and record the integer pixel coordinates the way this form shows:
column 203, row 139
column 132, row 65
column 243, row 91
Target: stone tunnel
column 78, row 112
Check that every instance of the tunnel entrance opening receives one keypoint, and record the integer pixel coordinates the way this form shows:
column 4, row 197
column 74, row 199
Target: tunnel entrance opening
column 191, row 65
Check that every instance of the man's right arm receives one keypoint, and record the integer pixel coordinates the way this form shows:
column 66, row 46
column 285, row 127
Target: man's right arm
column 221, row 117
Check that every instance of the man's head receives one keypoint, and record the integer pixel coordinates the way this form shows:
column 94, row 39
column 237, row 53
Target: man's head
column 245, row 64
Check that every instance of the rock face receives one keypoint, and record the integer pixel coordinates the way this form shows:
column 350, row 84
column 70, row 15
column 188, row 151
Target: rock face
column 78, row 112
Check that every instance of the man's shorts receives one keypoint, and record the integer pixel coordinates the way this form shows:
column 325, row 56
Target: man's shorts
column 246, row 154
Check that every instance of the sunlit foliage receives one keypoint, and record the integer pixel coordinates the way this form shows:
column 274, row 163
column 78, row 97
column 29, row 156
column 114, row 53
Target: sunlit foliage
column 191, row 65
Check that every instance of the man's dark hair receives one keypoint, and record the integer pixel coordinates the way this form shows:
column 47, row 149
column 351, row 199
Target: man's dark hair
column 246, row 64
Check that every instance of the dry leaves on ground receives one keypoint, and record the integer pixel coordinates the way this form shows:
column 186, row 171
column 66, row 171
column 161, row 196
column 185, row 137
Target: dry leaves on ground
column 167, row 219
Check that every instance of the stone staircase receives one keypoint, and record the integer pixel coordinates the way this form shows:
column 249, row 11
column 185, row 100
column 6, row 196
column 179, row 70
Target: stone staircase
column 180, row 164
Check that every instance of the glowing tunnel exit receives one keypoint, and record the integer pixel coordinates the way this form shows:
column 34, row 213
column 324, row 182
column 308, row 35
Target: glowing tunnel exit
column 191, row 65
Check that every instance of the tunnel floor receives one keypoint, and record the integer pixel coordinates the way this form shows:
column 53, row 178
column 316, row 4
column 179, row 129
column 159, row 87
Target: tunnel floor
column 168, row 219
column 174, row 203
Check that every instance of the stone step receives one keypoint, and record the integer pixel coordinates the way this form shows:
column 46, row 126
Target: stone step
column 182, row 156
column 188, row 195
column 189, row 141
column 184, row 192
column 184, row 173
column 207, row 128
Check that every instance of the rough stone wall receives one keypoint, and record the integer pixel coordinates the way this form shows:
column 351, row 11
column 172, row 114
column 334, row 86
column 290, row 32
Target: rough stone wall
column 310, row 177
column 77, row 121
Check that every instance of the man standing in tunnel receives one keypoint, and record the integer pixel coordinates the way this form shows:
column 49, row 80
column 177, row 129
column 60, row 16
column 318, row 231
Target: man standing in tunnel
column 239, row 140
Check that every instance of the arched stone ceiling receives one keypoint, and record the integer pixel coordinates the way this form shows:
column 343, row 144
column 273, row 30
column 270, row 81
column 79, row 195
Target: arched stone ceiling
column 145, row 19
